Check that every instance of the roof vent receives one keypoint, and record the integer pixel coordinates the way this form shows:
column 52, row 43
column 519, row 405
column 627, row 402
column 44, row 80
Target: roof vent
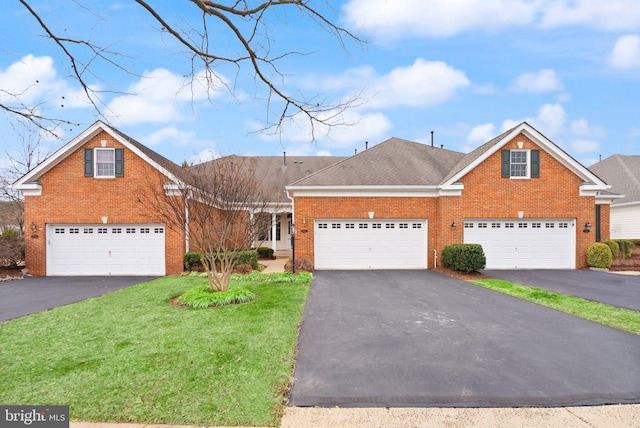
column 431, row 138
column 284, row 158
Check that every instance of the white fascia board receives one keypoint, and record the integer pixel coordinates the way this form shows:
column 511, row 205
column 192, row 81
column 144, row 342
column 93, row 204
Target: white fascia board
column 73, row 145
column 365, row 191
column 60, row 154
column 31, row 189
column 626, row 204
column 544, row 143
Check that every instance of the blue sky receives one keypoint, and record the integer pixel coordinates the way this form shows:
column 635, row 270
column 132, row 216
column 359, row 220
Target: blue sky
column 465, row 69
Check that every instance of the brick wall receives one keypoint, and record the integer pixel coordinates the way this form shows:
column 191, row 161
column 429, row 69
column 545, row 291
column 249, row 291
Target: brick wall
column 486, row 194
column 70, row 197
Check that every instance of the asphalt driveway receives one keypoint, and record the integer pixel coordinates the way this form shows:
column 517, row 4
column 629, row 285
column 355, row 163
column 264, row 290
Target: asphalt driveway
column 37, row 294
column 420, row 338
column 613, row 289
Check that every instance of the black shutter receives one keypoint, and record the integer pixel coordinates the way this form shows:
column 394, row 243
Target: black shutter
column 119, row 162
column 506, row 164
column 535, row 163
column 88, row 162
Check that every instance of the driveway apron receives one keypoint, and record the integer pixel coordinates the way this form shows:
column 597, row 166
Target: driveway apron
column 37, row 294
column 420, row 338
column 613, row 289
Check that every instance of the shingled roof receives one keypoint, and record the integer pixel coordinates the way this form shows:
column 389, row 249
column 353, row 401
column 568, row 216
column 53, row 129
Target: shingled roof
column 394, row 162
column 623, row 174
column 279, row 171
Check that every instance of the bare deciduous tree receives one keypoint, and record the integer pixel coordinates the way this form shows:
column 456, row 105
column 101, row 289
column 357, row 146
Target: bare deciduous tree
column 16, row 164
column 236, row 33
column 215, row 204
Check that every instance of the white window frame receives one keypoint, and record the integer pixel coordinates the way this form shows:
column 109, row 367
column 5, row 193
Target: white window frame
column 527, row 164
column 95, row 162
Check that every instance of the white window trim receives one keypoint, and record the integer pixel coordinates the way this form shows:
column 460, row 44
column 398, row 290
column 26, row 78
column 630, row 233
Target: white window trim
column 95, row 162
column 528, row 167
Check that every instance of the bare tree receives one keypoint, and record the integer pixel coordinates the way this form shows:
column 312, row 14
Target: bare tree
column 17, row 163
column 236, row 33
column 214, row 203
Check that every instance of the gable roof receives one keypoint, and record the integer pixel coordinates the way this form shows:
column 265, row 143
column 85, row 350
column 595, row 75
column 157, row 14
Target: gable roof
column 394, row 162
column 623, row 174
column 397, row 165
column 29, row 182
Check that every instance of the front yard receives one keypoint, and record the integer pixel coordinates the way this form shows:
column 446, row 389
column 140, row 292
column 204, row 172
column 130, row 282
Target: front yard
column 129, row 356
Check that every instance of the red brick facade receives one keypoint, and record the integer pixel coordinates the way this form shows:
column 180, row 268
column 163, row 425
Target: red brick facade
column 70, row 197
column 556, row 194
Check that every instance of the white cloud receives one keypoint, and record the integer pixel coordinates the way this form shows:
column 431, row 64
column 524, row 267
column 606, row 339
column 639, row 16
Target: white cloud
column 581, row 128
column 172, row 135
column 423, row 83
column 203, row 156
column 434, row 18
column 161, row 96
column 482, row 133
column 551, row 119
column 626, row 52
column 349, row 128
column 444, row 18
column 613, row 15
column 545, row 80
column 584, row 146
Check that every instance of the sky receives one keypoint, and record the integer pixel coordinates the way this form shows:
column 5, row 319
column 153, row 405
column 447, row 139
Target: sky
column 465, row 70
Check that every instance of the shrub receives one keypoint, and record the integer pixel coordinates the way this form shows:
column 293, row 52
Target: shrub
column 11, row 248
column 302, row 265
column 248, row 257
column 191, row 258
column 265, row 252
column 464, row 257
column 203, row 296
column 599, row 256
column 614, row 247
column 626, row 247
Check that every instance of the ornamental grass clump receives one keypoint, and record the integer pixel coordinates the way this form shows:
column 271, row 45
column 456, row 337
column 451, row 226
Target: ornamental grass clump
column 599, row 256
column 203, row 296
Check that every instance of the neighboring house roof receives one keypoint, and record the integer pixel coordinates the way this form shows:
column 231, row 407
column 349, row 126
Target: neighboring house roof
column 623, row 174
column 394, row 162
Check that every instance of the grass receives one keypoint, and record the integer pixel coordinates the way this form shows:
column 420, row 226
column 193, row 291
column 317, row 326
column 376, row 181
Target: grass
column 129, row 356
column 619, row 318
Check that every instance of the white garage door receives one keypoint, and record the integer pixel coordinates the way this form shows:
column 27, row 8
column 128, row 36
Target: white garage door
column 105, row 249
column 370, row 244
column 524, row 244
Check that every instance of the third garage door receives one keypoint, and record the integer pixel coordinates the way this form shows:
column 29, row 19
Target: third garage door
column 524, row 244
column 370, row 244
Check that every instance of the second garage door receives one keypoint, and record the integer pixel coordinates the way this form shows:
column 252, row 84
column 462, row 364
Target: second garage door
column 524, row 244
column 370, row 244
column 104, row 249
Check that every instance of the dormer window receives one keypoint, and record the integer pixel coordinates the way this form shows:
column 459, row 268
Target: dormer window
column 104, row 162
column 521, row 163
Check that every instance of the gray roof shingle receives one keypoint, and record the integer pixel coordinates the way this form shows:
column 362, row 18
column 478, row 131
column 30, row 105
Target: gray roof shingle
column 623, row 174
column 393, row 162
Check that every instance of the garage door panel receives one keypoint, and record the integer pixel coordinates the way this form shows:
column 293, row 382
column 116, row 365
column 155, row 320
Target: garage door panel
column 370, row 244
column 98, row 249
column 524, row 244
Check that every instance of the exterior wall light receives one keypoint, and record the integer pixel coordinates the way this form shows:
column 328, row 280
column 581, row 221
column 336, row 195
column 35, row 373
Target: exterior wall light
column 587, row 228
column 453, row 225
column 33, row 227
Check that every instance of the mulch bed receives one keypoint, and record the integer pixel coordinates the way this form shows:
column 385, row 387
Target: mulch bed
column 10, row 271
column 463, row 276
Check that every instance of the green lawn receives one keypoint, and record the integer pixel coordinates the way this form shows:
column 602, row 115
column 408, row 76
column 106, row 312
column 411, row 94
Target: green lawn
column 129, row 356
column 622, row 319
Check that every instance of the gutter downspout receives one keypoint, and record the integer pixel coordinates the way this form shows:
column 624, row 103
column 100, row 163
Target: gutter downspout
column 293, row 236
column 435, row 259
